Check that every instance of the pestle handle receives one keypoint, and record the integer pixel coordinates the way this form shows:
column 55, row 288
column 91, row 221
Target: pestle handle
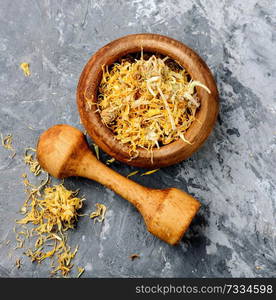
column 141, row 197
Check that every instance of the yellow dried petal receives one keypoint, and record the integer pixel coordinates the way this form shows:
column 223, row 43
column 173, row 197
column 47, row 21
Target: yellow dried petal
column 99, row 214
column 7, row 141
column 149, row 172
column 80, row 270
column 132, row 173
column 110, row 161
column 97, row 152
column 25, row 68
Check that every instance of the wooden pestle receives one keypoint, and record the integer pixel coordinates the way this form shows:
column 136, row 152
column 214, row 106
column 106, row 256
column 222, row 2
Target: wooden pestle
column 62, row 151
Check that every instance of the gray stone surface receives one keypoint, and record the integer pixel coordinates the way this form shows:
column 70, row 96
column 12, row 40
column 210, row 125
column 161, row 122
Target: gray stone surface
column 233, row 174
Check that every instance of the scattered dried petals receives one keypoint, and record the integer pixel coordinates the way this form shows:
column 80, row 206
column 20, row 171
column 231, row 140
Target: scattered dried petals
column 52, row 210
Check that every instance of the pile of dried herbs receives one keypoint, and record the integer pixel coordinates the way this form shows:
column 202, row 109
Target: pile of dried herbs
column 51, row 210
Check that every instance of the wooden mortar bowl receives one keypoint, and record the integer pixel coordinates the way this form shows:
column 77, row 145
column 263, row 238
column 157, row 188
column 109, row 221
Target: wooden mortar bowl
column 174, row 152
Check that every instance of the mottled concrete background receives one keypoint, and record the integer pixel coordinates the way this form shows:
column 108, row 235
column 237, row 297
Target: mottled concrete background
column 233, row 174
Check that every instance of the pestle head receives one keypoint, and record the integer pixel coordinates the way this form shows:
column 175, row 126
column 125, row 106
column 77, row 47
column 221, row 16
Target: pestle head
column 60, row 149
column 171, row 218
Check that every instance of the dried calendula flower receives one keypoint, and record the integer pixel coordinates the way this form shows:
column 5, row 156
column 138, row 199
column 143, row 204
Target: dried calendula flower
column 80, row 272
column 7, row 142
column 64, row 258
column 132, row 173
column 99, row 214
column 149, row 172
column 57, row 207
column 52, row 210
column 20, row 242
column 148, row 103
column 25, row 68
column 32, row 162
column 18, row 263
column 88, row 102
column 110, row 161
column 109, row 114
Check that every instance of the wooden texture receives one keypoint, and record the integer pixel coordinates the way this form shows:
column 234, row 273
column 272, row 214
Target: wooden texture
column 187, row 58
column 63, row 151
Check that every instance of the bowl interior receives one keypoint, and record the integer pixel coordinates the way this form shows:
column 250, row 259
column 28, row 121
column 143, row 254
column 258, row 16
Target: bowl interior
column 131, row 57
column 180, row 55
